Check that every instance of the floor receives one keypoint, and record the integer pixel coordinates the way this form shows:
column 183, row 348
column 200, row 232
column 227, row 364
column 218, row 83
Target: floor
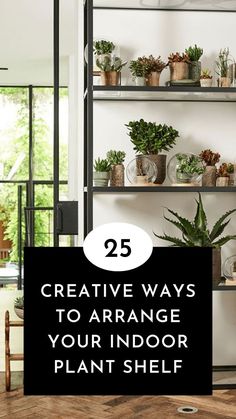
column 222, row 405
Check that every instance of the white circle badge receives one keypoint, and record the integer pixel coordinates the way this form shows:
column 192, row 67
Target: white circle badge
column 118, row 247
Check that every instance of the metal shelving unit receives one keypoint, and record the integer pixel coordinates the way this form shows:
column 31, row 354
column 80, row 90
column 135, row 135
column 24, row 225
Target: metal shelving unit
column 94, row 93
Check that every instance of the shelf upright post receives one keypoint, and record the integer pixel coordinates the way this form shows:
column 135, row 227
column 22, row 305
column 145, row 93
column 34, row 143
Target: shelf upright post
column 89, row 110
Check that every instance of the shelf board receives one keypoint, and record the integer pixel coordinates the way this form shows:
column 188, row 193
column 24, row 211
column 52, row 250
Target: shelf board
column 164, row 94
column 160, row 188
column 168, row 5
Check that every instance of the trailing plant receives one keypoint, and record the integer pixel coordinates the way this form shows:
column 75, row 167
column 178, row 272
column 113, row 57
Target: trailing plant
column 188, row 165
column 138, row 68
column 206, row 74
column 109, row 63
column 222, row 64
column 195, row 233
column 103, row 47
column 101, row 165
column 153, row 64
column 178, row 58
column 19, row 302
column 115, row 157
column 150, row 137
column 209, row 158
column 194, row 53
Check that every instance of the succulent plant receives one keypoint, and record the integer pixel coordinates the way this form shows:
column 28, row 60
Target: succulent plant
column 103, row 47
column 178, row 58
column 150, row 137
column 153, row 64
column 102, row 165
column 209, row 158
column 108, row 63
column 223, row 170
column 138, row 68
column 194, row 53
column 230, row 168
column 206, row 74
column 115, row 157
column 222, row 64
column 189, row 165
column 19, row 302
column 196, row 233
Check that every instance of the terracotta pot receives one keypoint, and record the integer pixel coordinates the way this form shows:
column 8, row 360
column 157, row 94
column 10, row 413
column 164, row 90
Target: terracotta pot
column 110, row 78
column 224, row 82
column 160, row 162
column 209, row 176
column 101, row 178
column 179, row 71
column 206, row 82
column 195, row 68
column 222, row 181
column 117, row 175
column 216, row 267
column 153, row 79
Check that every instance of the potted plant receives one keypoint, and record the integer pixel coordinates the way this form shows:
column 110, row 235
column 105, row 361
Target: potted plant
column 209, row 160
column 138, row 69
column 101, row 49
column 187, row 168
column 154, row 67
column 206, row 78
column 19, row 307
column 179, row 66
column 195, row 233
column 230, row 170
column 110, row 70
column 222, row 175
column 222, row 68
column 194, row 54
column 150, row 138
column 116, row 160
column 101, row 175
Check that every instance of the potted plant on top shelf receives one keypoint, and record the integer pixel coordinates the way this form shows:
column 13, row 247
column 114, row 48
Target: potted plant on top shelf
column 195, row 233
column 116, row 160
column 194, row 54
column 150, row 138
column 209, row 159
column 154, row 67
column 138, row 69
column 188, row 168
column 179, row 66
column 110, row 70
column 206, row 78
column 222, row 68
column 101, row 175
column 223, row 175
column 102, row 49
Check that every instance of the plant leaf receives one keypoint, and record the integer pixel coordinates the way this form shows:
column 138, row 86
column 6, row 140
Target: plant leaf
column 187, row 225
column 177, row 242
column 200, row 220
column 218, row 228
column 223, row 241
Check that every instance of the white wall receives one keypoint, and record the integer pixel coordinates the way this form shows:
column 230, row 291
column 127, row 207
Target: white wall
column 201, row 125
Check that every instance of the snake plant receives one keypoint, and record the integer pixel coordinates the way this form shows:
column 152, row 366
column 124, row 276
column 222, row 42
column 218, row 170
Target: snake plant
column 196, row 233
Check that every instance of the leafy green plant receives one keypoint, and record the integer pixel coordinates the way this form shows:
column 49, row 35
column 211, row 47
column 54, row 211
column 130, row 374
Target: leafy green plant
column 194, row 53
column 115, row 157
column 150, row 137
column 206, row 74
column 209, row 158
column 196, row 233
column 230, row 168
column 178, row 58
column 103, row 47
column 19, row 302
column 188, row 165
column 101, row 165
column 138, row 68
column 222, row 64
column 109, row 63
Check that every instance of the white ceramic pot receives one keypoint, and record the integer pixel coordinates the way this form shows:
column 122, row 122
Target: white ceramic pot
column 140, row 81
column 206, row 82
